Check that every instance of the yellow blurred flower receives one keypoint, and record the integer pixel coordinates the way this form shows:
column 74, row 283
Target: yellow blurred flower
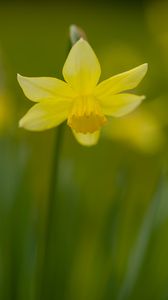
column 141, row 129
column 80, row 99
column 5, row 112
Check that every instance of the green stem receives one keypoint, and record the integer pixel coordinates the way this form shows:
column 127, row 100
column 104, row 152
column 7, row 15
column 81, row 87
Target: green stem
column 54, row 181
column 50, row 215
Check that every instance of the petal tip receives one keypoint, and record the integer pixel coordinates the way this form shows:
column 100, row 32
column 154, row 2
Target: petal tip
column 143, row 97
column 144, row 68
column 19, row 78
column 20, row 125
column 81, row 41
column 87, row 140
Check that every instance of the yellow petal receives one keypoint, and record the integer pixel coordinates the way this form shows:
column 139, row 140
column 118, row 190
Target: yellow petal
column 41, row 88
column 82, row 69
column 88, row 139
column 121, row 104
column 121, row 82
column 45, row 115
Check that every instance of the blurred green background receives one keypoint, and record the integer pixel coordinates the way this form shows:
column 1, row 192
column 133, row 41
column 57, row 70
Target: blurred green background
column 109, row 236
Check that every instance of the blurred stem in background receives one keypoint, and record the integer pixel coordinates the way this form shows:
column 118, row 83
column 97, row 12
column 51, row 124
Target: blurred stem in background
column 75, row 34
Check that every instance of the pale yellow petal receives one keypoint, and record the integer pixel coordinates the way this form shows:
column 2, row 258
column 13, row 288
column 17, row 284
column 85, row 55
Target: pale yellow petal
column 42, row 88
column 121, row 104
column 88, row 139
column 121, row 82
column 82, row 69
column 45, row 115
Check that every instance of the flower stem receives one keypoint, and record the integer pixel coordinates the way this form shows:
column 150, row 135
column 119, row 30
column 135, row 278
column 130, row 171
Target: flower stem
column 54, row 181
column 48, row 229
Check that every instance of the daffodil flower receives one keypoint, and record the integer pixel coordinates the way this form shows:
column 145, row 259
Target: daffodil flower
column 80, row 99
